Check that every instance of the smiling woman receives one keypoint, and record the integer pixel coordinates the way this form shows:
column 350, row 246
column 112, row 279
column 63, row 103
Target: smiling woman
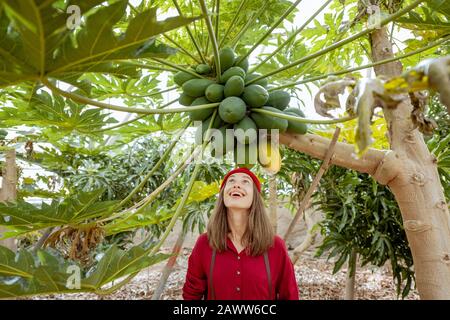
column 240, row 258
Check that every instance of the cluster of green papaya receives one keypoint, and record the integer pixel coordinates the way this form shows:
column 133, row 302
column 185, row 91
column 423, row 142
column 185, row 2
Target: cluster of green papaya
column 236, row 98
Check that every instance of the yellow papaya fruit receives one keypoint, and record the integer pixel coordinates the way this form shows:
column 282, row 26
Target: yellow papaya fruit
column 269, row 156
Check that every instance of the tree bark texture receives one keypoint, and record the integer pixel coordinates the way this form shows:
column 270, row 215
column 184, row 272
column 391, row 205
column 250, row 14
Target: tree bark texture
column 8, row 191
column 273, row 202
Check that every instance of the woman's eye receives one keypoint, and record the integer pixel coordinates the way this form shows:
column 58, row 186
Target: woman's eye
column 245, row 181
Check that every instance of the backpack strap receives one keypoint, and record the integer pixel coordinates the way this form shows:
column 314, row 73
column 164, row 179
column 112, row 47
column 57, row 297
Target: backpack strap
column 269, row 278
column 211, row 268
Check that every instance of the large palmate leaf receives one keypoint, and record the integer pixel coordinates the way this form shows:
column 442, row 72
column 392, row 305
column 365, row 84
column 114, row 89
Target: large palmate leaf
column 45, row 110
column 23, row 217
column 117, row 263
column 24, row 273
column 35, row 41
column 433, row 16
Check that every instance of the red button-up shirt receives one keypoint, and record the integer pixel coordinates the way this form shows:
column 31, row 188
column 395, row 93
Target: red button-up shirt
column 238, row 276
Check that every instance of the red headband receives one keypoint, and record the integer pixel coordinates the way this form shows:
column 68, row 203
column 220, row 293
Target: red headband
column 242, row 170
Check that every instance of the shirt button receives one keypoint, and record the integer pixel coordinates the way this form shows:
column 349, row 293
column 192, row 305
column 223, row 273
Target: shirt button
column 238, row 272
column 238, row 289
column 239, row 258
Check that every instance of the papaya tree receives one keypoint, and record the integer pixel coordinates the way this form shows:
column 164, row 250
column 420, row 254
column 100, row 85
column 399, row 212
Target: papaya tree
column 59, row 73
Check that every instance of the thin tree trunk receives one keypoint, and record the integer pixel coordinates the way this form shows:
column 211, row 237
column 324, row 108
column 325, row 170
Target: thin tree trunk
column 323, row 168
column 273, row 203
column 8, row 191
column 169, row 266
column 350, row 280
column 309, row 240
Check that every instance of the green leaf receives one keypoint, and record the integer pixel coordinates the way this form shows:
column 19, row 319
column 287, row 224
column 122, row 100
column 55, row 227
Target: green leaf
column 117, row 263
column 25, row 273
column 35, row 41
column 23, row 217
column 97, row 42
column 434, row 15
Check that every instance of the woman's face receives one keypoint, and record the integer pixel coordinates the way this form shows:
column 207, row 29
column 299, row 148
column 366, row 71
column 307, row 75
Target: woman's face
column 238, row 191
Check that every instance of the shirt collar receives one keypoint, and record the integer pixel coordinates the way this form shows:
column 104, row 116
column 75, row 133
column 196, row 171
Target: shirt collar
column 231, row 246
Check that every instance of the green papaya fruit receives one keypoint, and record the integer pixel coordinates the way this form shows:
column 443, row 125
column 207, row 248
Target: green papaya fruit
column 293, row 126
column 234, row 87
column 243, row 64
column 196, row 87
column 203, row 68
column 255, row 95
column 264, row 121
column 232, row 109
column 181, row 77
column 233, row 71
column 185, row 100
column 279, row 99
column 199, row 115
column 297, row 111
column 246, row 131
column 262, row 82
column 227, row 56
column 214, row 92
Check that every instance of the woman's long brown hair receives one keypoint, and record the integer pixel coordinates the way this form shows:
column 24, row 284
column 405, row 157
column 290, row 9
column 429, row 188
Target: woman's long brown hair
column 258, row 236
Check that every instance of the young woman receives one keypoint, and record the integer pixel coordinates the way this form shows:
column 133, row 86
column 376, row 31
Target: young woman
column 239, row 258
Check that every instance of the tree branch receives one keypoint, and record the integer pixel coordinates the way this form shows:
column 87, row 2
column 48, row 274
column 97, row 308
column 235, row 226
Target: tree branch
column 317, row 146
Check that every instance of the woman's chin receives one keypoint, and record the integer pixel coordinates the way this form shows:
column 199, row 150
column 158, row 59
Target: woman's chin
column 237, row 204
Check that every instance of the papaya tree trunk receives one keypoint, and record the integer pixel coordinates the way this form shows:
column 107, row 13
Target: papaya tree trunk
column 273, row 203
column 8, row 191
column 410, row 171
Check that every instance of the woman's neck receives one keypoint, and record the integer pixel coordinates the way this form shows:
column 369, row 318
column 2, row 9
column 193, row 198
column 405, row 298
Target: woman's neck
column 237, row 222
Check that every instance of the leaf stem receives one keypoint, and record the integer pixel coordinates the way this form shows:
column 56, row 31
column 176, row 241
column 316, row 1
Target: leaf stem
column 250, row 22
column 132, row 120
column 291, row 37
column 340, row 43
column 431, row 45
column 212, row 37
column 83, row 100
column 190, row 33
column 151, row 94
column 232, row 24
column 119, row 93
column 302, row 120
column 183, row 50
column 178, row 67
column 217, row 20
column 269, row 32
